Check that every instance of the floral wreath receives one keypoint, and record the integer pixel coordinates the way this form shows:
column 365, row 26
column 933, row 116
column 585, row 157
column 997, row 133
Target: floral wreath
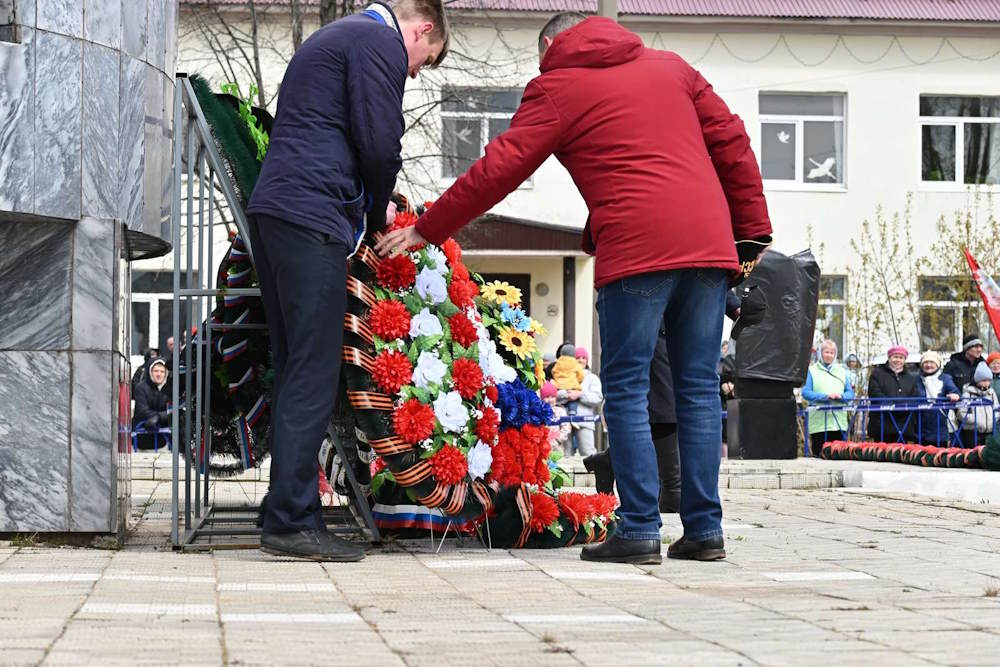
column 454, row 416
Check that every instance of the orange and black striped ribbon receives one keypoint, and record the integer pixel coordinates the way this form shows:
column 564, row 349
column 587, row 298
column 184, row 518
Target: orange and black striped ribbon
column 524, row 506
column 355, row 324
column 358, row 289
column 435, row 497
column 479, row 489
column 356, row 357
column 368, row 256
column 415, row 474
column 389, row 446
column 369, row 400
column 457, row 500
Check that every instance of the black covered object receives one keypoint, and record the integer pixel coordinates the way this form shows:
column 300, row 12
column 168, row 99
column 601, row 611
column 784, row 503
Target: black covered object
column 762, row 428
column 778, row 348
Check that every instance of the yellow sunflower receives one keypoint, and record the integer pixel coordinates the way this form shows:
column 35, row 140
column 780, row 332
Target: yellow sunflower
column 519, row 344
column 538, row 329
column 501, row 292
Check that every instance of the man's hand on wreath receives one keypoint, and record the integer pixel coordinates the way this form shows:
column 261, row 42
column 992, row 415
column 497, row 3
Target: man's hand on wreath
column 397, row 241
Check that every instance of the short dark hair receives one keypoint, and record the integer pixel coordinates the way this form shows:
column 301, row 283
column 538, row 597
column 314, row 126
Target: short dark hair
column 428, row 10
column 557, row 24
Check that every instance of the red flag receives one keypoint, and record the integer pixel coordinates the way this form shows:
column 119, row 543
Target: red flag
column 988, row 290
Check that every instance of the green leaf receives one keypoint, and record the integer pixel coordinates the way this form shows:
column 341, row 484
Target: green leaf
column 446, row 356
column 555, row 455
column 428, row 343
column 555, row 528
column 412, row 495
column 413, row 303
column 421, row 394
column 426, row 454
column 470, row 439
column 447, row 308
column 588, row 528
column 488, row 320
column 413, row 353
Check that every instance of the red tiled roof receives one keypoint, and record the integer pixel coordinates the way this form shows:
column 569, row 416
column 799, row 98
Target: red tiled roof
column 889, row 10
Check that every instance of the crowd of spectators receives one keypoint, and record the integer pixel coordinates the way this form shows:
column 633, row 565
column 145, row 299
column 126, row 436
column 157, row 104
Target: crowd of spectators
column 967, row 380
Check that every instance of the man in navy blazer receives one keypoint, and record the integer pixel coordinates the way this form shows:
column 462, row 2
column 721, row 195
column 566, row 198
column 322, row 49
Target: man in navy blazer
column 326, row 180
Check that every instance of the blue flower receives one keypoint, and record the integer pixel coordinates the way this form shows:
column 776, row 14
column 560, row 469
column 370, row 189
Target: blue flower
column 519, row 405
column 516, row 317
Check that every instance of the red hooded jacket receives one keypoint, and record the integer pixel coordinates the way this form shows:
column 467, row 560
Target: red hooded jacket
column 665, row 168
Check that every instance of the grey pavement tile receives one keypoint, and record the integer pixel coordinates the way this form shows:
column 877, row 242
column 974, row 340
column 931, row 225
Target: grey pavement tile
column 21, row 656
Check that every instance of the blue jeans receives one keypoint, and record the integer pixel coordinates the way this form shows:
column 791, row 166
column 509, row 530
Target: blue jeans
column 691, row 303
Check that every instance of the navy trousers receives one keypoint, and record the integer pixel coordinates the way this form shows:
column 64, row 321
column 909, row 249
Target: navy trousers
column 303, row 276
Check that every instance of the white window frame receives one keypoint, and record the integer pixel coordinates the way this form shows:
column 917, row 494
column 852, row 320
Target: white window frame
column 959, row 123
column 956, row 308
column 153, row 299
column 841, row 344
column 799, row 121
column 484, row 128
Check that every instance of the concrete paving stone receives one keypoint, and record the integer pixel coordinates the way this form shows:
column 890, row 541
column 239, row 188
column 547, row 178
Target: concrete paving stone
column 612, row 653
column 21, row 656
column 37, row 633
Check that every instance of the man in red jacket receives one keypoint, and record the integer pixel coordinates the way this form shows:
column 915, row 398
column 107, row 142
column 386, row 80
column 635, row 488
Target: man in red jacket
column 670, row 182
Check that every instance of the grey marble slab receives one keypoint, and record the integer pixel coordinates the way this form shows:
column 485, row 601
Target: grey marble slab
column 35, row 280
column 94, row 284
column 156, row 40
column 101, row 171
column 167, row 158
column 58, row 62
column 17, row 119
column 34, row 441
column 122, row 292
column 24, row 13
column 153, row 162
column 170, row 32
column 134, row 14
column 64, row 17
column 93, row 441
column 102, row 21
column 123, row 450
column 132, row 118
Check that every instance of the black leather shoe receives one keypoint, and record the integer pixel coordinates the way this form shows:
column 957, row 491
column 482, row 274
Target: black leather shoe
column 618, row 550
column 713, row 548
column 604, row 475
column 311, row 545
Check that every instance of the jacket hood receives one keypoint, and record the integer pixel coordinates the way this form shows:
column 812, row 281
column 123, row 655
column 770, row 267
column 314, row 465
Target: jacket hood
column 596, row 42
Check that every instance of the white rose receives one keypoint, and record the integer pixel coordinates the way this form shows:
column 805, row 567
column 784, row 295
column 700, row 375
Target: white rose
column 429, row 370
column 425, row 324
column 492, row 364
column 450, row 412
column 436, row 259
column 480, row 459
column 431, row 285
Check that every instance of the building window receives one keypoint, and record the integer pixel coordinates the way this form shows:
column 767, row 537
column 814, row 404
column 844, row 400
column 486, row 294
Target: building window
column 802, row 140
column 153, row 312
column 470, row 119
column 950, row 308
column 960, row 140
column 830, row 315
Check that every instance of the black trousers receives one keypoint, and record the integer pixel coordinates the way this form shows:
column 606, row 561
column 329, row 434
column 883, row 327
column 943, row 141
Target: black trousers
column 303, row 277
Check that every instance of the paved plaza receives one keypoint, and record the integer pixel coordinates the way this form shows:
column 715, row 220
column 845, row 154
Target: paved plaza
column 814, row 576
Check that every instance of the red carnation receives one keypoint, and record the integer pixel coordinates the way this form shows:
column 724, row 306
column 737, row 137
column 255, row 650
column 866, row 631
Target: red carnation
column 602, row 504
column 389, row 320
column 463, row 331
column 459, row 272
column 487, row 425
column 462, row 292
column 576, row 506
column 453, row 252
column 397, row 272
column 377, row 466
column 492, row 393
column 404, row 219
column 449, row 464
column 543, row 511
column 413, row 421
column 467, row 376
column 392, row 371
